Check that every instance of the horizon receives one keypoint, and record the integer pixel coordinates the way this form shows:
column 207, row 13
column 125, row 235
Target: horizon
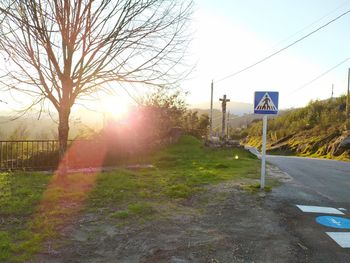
column 230, row 35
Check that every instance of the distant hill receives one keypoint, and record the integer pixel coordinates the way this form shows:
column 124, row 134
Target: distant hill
column 236, row 108
column 235, row 121
column 26, row 127
column 319, row 129
column 30, row 127
column 240, row 113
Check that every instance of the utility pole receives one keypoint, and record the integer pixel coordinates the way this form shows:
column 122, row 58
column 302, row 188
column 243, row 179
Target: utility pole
column 228, row 123
column 223, row 105
column 347, row 98
column 211, row 110
column 332, row 91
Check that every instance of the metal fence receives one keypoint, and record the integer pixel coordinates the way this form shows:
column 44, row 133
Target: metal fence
column 28, row 154
column 44, row 155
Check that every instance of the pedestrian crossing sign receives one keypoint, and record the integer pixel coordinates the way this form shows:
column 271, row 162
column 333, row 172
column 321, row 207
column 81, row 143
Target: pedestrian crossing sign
column 266, row 102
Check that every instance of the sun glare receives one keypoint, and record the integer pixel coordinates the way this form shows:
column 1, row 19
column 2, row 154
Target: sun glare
column 116, row 109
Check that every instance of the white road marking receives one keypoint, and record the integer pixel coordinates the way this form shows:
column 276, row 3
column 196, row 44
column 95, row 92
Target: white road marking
column 342, row 238
column 319, row 209
column 336, row 222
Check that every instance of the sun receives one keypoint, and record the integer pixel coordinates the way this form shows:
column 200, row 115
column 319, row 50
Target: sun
column 115, row 108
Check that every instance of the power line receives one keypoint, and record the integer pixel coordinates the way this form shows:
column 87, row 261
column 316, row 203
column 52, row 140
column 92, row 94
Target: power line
column 320, row 76
column 284, row 48
column 309, row 25
column 306, row 27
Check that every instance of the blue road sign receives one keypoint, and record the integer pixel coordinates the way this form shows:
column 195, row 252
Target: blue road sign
column 334, row 221
column 266, row 102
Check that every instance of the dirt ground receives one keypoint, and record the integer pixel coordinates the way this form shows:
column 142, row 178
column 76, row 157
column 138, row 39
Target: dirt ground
column 224, row 224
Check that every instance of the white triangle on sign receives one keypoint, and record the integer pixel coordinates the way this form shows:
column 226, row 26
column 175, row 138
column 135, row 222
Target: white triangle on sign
column 266, row 104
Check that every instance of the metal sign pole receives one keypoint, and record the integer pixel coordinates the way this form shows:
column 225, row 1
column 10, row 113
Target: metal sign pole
column 263, row 153
column 265, row 102
column 211, row 110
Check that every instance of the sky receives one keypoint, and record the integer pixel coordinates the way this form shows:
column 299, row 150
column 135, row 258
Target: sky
column 230, row 35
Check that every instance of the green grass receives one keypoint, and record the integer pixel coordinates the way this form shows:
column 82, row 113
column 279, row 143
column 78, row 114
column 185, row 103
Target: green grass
column 20, row 194
column 254, row 188
column 180, row 171
column 136, row 210
column 33, row 206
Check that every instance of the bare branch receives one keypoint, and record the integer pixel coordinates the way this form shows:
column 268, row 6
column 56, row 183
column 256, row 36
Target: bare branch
column 62, row 50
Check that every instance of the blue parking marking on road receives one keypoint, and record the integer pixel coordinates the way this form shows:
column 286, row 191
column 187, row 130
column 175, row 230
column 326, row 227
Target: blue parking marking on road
column 334, row 221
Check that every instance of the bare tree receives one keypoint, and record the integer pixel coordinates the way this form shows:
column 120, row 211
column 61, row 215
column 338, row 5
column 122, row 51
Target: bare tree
column 62, row 50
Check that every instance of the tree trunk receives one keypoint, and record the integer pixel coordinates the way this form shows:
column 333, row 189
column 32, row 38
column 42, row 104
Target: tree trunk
column 63, row 131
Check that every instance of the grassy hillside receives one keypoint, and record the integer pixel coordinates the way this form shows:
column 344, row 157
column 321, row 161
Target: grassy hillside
column 318, row 130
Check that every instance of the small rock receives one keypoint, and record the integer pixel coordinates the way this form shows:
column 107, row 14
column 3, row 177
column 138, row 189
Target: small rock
column 178, row 260
column 302, row 246
column 80, row 236
column 345, row 143
column 139, row 166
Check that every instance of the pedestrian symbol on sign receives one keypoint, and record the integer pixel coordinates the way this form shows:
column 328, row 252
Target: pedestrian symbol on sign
column 266, row 103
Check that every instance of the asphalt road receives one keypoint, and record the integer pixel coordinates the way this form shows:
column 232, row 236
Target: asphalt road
column 323, row 179
column 313, row 182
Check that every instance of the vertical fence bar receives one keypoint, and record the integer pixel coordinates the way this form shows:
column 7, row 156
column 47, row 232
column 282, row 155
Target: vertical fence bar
column 11, row 155
column 37, row 161
column 41, row 162
column 50, row 147
column 22, row 155
column 17, row 154
column 27, row 153
column 6, row 155
column 32, row 155
column 36, row 154
column 54, row 149
column 1, row 155
column 47, row 153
